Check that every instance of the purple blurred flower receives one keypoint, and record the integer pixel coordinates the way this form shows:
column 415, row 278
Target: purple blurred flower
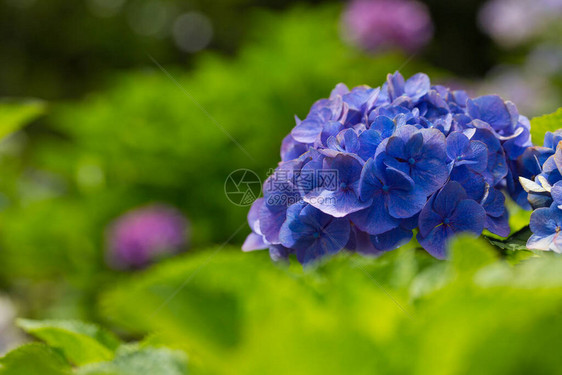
column 376, row 25
column 144, row 235
column 512, row 22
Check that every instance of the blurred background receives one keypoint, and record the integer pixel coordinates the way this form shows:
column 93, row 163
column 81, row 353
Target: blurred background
column 130, row 107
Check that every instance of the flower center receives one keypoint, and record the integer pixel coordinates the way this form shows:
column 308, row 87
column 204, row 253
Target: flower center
column 558, row 229
column 459, row 157
column 412, row 161
column 446, row 221
column 316, row 235
column 385, row 188
column 343, row 185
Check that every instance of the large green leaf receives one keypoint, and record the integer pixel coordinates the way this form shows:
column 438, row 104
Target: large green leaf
column 15, row 114
column 81, row 343
column 34, row 359
column 546, row 123
column 136, row 360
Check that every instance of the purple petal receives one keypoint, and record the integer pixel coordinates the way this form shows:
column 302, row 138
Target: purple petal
column 254, row 242
column 307, row 131
column 271, row 217
column 253, row 215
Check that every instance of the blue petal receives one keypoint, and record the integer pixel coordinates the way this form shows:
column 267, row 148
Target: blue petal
column 468, row 216
column 397, row 180
column 417, row 86
column 287, row 237
column 396, row 147
column 384, row 125
column 544, row 221
column 494, row 203
column 414, row 145
column 279, row 253
column 491, row 109
column 392, row 239
column 457, row 144
column 429, row 174
column 369, row 140
column 395, row 85
column 476, row 156
column 556, row 193
column 499, row 225
column 291, row 149
column 541, row 242
column 330, row 129
column 429, row 219
column 253, row 215
column 448, row 198
column 369, row 181
column 360, row 242
column 374, row 219
column 436, row 241
column 307, row 131
column 337, row 203
column 403, row 201
column 334, row 239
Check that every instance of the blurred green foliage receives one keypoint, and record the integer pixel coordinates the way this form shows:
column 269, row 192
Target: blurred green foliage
column 234, row 313
column 14, row 114
column 74, row 347
column 404, row 312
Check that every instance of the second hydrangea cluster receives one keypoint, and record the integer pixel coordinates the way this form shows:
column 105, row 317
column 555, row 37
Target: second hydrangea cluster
column 542, row 180
column 367, row 166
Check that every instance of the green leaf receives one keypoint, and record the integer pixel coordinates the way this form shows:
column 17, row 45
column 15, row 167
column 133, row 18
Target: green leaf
column 515, row 242
column 15, row 114
column 135, row 360
column 546, row 123
column 34, row 359
column 81, row 343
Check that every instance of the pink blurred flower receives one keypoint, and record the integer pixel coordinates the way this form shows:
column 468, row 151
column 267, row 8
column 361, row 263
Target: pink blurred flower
column 376, row 25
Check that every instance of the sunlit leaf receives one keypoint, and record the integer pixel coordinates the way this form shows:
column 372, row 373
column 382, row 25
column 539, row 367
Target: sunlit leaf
column 34, row 359
column 546, row 123
column 81, row 343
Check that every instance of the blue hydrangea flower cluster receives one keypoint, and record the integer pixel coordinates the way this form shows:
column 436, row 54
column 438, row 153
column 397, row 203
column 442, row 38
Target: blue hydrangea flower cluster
column 541, row 179
column 369, row 165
